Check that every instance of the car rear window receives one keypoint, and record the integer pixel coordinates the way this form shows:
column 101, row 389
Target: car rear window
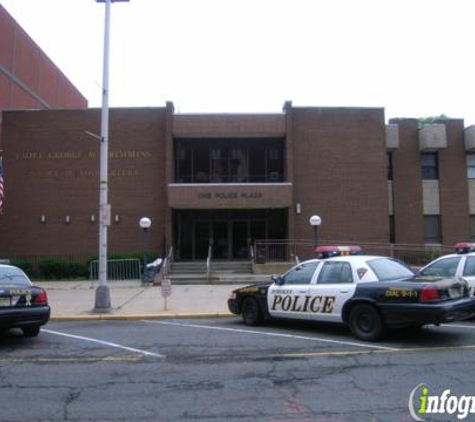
column 390, row 269
column 13, row 275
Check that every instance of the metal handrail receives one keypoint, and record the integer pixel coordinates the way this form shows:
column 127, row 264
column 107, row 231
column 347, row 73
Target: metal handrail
column 167, row 262
column 208, row 262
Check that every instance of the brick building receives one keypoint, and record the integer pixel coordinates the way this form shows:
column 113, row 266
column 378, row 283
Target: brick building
column 28, row 78
column 228, row 179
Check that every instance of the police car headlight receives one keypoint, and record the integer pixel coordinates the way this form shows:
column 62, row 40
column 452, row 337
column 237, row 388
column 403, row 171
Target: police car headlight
column 232, row 296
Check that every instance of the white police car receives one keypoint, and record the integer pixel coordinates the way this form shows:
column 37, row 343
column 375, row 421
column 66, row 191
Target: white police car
column 459, row 264
column 368, row 293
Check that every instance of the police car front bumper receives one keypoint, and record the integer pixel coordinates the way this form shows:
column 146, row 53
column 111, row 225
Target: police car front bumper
column 233, row 306
column 402, row 315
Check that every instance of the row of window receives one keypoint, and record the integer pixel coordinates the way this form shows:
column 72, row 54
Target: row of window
column 229, row 161
column 430, row 165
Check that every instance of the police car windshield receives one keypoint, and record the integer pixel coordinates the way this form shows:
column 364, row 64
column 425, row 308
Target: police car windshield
column 389, row 269
column 12, row 275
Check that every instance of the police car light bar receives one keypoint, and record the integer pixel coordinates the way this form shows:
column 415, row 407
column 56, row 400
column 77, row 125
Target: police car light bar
column 329, row 251
column 464, row 247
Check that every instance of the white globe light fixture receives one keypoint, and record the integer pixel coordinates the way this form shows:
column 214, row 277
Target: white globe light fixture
column 145, row 223
column 315, row 221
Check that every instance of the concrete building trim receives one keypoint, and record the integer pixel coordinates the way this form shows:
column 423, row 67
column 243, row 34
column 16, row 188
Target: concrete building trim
column 392, row 137
column 432, row 137
column 469, row 139
column 431, row 197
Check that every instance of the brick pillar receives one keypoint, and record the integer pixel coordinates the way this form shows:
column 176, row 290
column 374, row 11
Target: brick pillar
column 407, row 185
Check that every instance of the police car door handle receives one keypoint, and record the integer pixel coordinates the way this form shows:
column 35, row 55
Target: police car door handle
column 344, row 291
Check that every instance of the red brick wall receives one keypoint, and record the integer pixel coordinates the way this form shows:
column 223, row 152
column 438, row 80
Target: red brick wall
column 339, row 162
column 21, row 56
column 407, row 185
column 64, row 180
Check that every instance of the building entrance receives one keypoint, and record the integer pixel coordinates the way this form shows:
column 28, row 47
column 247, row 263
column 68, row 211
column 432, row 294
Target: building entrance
column 229, row 233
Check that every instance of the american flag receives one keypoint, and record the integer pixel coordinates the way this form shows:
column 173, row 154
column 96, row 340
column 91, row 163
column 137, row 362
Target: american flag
column 1, row 185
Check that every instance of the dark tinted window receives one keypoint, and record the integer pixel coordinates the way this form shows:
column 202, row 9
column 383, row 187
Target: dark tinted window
column 13, row 275
column 430, row 166
column 302, row 274
column 445, row 267
column 390, row 165
column 469, row 268
column 432, row 229
column 335, row 272
column 389, row 269
column 472, row 227
column 471, row 166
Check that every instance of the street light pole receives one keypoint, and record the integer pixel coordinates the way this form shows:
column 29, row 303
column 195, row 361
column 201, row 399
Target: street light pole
column 145, row 224
column 102, row 299
column 315, row 221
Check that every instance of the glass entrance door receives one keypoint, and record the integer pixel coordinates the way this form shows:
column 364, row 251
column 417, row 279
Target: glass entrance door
column 220, row 236
column 201, row 239
column 230, row 232
column 240, row 235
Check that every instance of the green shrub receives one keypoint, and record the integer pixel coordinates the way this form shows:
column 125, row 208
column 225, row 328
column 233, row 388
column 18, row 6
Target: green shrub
column 26, row 266
column 57, row 269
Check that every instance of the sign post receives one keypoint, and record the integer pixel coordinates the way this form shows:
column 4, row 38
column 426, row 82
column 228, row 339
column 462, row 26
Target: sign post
column 166, row 288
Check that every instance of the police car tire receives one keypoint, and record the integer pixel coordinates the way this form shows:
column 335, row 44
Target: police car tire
column 251, row 312
column 366, row 323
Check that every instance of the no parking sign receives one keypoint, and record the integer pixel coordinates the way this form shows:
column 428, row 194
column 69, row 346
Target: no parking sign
column 166, row 288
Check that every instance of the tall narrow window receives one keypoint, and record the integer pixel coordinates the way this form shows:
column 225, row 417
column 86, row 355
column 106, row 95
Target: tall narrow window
column 471, row 166
column 430, row 166
column 392, row 229
column 390, row 165
column 432, row 229
column 472, row 228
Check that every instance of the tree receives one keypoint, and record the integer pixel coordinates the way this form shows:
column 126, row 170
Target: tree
column 431, row 119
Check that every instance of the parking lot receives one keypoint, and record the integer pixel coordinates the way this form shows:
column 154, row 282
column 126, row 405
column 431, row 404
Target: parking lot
column 219, row 369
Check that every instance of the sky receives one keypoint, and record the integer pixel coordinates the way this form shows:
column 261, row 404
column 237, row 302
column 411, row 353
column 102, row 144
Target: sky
column 412, row 57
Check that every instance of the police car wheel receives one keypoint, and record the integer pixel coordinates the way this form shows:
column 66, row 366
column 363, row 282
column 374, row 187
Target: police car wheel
column 251, row 312
column 366, row 323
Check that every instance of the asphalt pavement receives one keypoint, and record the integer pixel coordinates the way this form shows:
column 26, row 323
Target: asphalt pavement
column 75, row 300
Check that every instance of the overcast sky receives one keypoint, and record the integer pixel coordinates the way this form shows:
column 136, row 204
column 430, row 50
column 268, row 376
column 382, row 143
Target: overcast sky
column 413, row 57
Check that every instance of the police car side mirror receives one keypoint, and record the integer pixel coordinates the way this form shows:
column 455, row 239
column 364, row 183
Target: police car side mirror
column 277, row 279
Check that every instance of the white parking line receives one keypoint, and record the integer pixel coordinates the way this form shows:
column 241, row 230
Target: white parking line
column 267, row 333
column 105, row 343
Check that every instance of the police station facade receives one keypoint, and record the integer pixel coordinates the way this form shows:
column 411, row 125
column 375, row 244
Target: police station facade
column 228, row 179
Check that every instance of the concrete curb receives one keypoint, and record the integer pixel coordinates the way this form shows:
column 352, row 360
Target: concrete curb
column 103, row 317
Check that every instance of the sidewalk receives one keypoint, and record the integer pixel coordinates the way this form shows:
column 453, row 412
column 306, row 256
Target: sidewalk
column 75, row 300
